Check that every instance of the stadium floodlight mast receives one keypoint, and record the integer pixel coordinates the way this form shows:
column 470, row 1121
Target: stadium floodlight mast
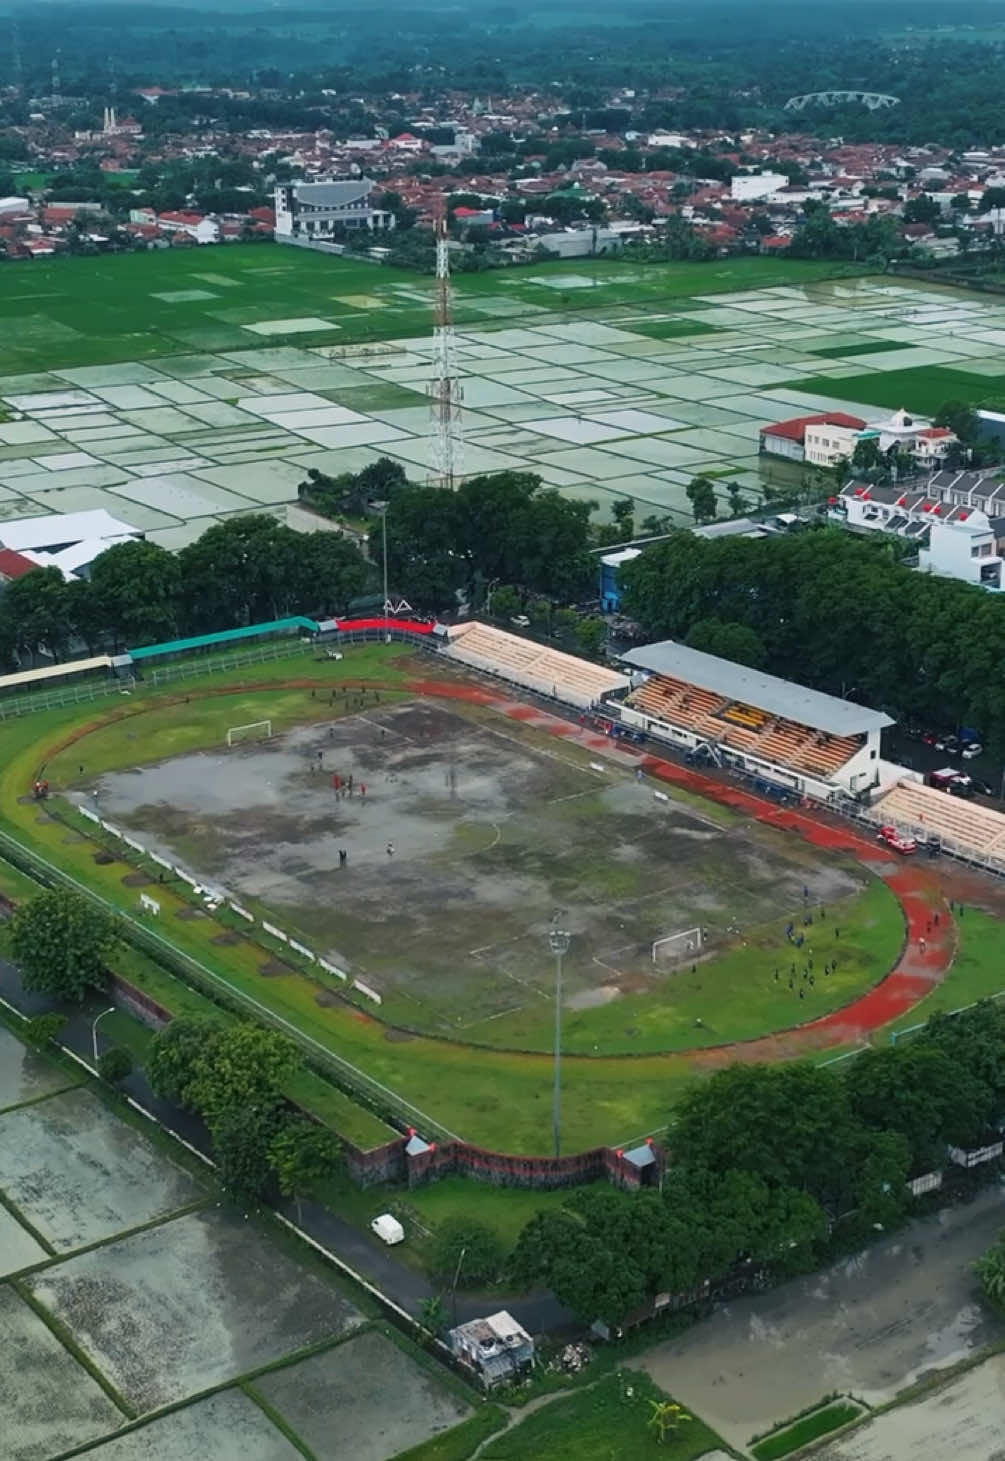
column 382, row 509
column 558, row 942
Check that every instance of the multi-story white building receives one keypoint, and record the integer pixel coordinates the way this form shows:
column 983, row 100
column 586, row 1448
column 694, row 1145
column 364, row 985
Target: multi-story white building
column 956, row 518
column 821, row 439
column 753, row 187
column 831, row 436
column 970, row 550
column 318, row 212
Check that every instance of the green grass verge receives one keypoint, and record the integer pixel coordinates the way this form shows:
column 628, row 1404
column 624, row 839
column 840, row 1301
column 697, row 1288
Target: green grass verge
column 923, row 389
column 91, row 311
column 978, row 971
column 609, row 1419
column 421, row 1210
column 460, row 1442
column 810, row 1428
column 871, row 347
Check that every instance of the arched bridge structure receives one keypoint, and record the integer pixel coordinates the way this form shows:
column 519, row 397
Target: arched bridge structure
column 874, row 100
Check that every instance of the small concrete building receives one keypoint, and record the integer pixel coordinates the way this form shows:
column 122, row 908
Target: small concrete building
column 497, row 1350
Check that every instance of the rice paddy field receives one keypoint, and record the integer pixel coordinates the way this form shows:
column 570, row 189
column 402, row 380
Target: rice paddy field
column 179, row 387
column 143, row 1321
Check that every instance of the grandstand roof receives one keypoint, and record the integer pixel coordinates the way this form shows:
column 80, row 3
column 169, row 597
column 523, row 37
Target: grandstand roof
column 767, row 692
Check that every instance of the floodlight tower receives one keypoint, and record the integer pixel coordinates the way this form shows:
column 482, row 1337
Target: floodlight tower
column 15, row 51
column 445, row 390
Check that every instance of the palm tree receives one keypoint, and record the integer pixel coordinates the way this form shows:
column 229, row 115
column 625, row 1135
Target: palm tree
column 433, row 1315
column 990, row 1269
column 665, row 1416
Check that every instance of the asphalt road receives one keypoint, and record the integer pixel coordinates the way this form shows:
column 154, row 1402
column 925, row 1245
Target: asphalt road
column 537, row 1312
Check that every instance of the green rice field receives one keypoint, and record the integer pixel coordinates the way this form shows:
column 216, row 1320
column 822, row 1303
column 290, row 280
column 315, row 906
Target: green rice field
column 78, row 311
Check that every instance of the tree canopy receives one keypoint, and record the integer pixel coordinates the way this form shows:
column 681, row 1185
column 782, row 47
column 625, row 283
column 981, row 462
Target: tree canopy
column 243, row 571
column 839, row 613
column 774, row 1169
column 61, row 941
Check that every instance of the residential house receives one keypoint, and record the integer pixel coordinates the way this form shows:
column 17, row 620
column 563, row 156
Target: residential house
column 201, row 228
column 497, row 1350
column 830, row 435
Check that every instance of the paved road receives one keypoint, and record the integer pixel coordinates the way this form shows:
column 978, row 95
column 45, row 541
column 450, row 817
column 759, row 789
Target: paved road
column 538, row 1312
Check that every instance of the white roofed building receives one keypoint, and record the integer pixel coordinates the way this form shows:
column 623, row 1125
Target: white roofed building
column 69, row 541
column 496, row 1349
column 795, row 738
column 315, row 213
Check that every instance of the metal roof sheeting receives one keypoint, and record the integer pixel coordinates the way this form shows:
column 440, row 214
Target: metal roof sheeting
column 753, row 687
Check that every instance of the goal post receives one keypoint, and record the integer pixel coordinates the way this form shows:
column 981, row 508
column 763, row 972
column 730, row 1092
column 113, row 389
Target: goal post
column 256, row 730
column 676, row 946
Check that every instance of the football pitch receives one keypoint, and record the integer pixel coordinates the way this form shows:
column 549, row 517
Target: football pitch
column 496, row 827
column 464, row 839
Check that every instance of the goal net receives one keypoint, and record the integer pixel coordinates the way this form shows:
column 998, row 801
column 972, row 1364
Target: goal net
column 677, row 946
column 258, row 730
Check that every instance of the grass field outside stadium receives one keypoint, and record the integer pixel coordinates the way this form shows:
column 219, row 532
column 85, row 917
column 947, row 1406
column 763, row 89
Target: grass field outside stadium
column 657, row 1019
column 177, row 388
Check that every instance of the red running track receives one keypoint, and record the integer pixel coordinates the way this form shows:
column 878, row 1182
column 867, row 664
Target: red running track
column 929, row 946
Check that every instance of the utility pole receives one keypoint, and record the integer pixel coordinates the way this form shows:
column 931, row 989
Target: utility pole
column 94, row 1030
column 445, row 390
column 558, row 940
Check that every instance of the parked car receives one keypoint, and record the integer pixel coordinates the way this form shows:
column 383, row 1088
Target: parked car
column 972, row 749
column 894, row 839
column 952, row 781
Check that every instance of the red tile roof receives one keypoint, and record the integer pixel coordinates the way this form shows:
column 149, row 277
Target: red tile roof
column 795, row 430
column 14, row 565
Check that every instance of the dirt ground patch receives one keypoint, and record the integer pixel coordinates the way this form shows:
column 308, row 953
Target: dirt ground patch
column 871, row 1325
column 462, row 838
column 338, row 1401
column 964, row 1419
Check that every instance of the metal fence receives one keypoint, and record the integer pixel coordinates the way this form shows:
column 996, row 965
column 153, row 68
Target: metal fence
column 68, row 695
column 373, row 1093
column 218, row 664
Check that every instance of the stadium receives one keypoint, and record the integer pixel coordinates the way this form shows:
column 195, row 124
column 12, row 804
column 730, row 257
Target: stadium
column 705, row 834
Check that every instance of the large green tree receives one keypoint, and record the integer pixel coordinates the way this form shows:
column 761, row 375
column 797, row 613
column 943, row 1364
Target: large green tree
column 920, row 1092
column 303, row 1155
column 36, row 613
column 216, row 1069
column 730, row 641
column 700, row 492
column 136, row 586
column 469, row 1244
column 61, row 942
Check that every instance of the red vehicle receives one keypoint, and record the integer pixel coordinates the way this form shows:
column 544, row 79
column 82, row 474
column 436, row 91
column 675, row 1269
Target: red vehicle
column 893, row 839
